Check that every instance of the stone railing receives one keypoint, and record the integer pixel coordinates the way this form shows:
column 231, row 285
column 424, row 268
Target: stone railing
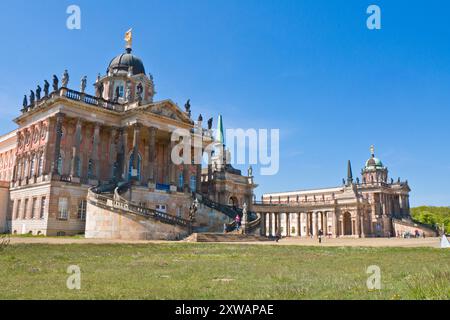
column 76, row 96
column 294, row 203
column 117, row 203
column 91, row 100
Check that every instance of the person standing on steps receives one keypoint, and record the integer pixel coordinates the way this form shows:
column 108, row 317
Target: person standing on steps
column 320, row 235
column 238, row 222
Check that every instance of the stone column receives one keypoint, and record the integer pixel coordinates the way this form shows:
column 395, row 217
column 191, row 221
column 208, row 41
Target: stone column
column 307, row 224
column 95, row 157
column 299, row 225
column 357, row 226
column 75, row 166
column 120, row 156
column 288, row 224
column 112, row 157
column 58, row 134
column 335, row 227
column 315, row 224
column 363, row 232
column 152, row 154
column 263, row 224
column 272, row 224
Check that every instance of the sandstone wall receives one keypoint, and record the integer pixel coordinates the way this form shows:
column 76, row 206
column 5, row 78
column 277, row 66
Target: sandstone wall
column 401, row 227
column 4, row 206
column 210, row 220
column 104, row 224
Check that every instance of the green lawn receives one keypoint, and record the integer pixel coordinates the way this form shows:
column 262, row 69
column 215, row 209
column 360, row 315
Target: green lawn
column 217, row 271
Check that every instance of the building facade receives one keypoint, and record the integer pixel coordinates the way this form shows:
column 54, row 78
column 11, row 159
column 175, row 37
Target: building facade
column 69, row 142
column 373, row 206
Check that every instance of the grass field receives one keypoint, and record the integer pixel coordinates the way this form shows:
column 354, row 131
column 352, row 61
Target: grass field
column 217, row 271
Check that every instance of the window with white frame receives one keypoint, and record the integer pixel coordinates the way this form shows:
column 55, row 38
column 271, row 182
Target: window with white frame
column 161, row 208
column 63, row 209
column 41, row 165
column 42, row 212
column 32, row 168
column 34, row 208
column 17, row 213
column 82, row 210
column 25, row 208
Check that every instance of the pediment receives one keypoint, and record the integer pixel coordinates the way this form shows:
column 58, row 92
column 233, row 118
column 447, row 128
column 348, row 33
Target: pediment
column 168, row 109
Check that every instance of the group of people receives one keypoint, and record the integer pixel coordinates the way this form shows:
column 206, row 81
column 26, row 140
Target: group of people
column 408, row 235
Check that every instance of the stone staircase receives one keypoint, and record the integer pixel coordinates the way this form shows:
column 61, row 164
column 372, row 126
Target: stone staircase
column 222, row 237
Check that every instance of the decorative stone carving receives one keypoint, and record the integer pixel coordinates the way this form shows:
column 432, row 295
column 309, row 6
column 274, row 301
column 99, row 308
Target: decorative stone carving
column 65, row 79
column 83, row 84
column 99, row 90
column 32, row 97
column 25, row 101
column 187, row 107
column 128, row 95
column 55, row 83
column 210, row 123
column 38, row 93
column 46, row 88
column 139, row 91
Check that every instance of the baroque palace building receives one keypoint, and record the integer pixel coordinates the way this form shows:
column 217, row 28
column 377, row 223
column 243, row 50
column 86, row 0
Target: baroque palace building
column 374, row 206
column 69, row 142
column 101, row 165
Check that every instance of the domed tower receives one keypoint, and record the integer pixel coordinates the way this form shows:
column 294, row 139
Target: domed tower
column 125, row 81
column 374, row 171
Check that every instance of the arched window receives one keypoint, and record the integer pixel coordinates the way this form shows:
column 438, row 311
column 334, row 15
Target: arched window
column 193, row 183
column 134, row 172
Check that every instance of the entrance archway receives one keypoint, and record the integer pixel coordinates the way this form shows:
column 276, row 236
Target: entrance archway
column 347, row 224
column 233, row 202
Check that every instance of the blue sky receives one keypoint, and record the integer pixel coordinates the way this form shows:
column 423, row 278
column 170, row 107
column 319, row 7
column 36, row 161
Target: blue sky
column 310, row 68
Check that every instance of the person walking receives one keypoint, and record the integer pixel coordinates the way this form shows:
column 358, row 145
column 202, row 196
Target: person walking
column 320, row 235
column 238, row 222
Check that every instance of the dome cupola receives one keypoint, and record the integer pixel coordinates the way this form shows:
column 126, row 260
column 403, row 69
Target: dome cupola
column 125, row 61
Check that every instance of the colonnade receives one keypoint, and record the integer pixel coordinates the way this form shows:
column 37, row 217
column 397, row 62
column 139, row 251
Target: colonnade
column 311, row 224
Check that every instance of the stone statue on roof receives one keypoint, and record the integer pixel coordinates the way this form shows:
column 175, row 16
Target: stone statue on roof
column 46, row 88
column 32, row 97
column 25, row 101
column 55, row 83
column 38, row 92
column 65, row 79
column 187, row 107
column 83, row 84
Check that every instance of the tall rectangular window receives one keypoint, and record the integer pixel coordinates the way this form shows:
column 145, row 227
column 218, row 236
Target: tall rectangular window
column 17, row 213
column 42, row 212
column 82, row 210
column 25, row 209
column 34, row 208
column 63, row 209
